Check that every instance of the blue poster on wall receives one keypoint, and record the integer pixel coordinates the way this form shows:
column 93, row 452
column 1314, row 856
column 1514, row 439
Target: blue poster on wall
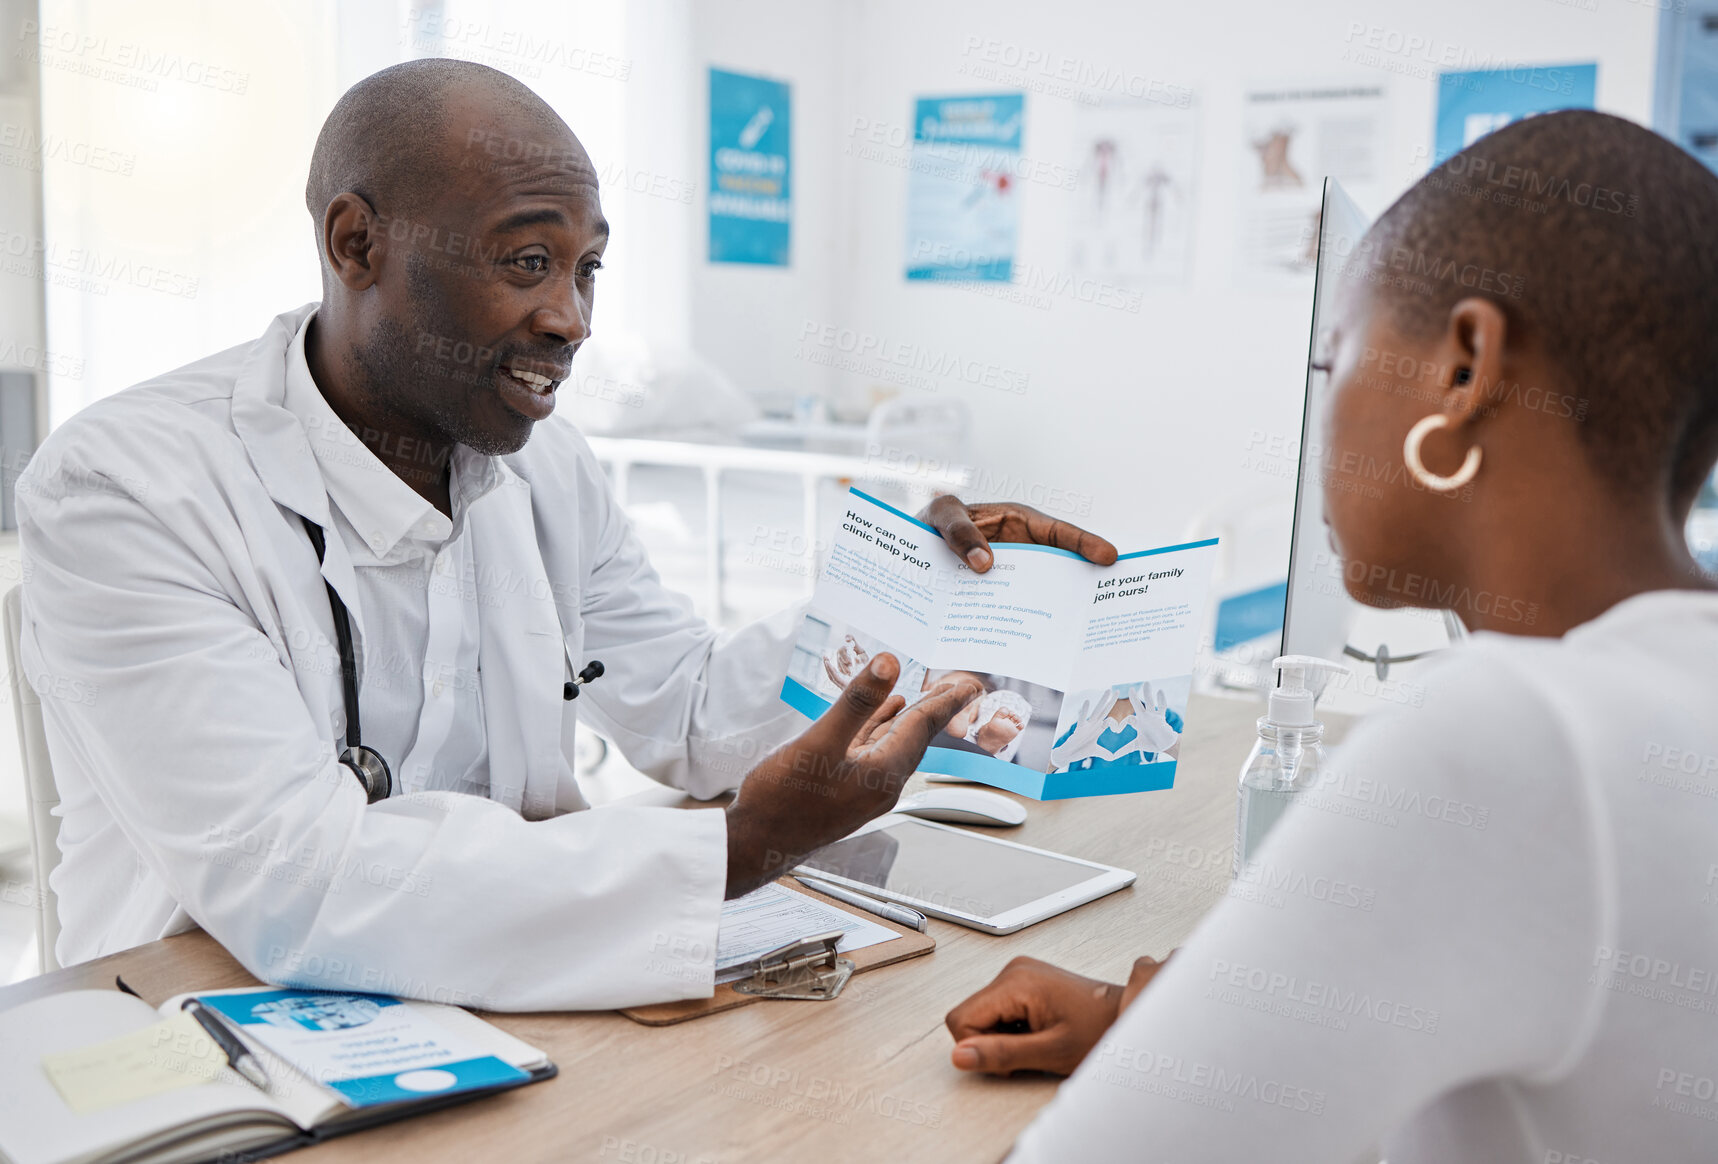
column 1473, row 104
column 751, row 191
column 962, row 193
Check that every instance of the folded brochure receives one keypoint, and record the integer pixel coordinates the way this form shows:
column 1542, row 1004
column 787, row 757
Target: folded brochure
column 1085, row 669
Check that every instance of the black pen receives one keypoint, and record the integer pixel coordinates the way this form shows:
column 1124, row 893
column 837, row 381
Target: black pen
column 238, row 1055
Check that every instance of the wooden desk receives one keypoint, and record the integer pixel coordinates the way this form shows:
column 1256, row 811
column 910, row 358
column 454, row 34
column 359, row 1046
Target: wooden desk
column 865, row 1077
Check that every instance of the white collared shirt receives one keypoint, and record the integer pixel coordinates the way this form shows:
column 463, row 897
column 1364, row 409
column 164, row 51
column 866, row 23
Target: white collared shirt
column 419, row 700
column 178, row 632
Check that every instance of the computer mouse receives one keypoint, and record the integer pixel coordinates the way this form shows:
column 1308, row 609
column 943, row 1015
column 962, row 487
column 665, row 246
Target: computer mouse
column 968, row 806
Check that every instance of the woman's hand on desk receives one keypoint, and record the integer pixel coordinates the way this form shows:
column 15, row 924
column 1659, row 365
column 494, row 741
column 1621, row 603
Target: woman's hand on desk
column 969, row 530
column 1039, row 1017
column 842, row 771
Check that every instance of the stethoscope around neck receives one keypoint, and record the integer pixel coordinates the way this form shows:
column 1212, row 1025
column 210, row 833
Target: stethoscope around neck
column 366, row 763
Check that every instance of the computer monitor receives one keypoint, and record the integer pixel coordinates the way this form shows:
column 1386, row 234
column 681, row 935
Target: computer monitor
column 1319, row 618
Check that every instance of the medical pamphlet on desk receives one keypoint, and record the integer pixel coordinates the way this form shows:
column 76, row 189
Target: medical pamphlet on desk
column 91, row 1076
column 1086, row 669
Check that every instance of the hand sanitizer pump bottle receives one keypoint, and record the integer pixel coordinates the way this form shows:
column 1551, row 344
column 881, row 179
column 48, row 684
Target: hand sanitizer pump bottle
column 1289, row 755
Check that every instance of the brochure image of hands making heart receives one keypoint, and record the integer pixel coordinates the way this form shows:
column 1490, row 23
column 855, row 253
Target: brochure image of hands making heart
column 1086, row 669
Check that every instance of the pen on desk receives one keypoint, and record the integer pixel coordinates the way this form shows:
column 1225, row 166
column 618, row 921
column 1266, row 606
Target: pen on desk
column 238, row 1055
column 899, row 914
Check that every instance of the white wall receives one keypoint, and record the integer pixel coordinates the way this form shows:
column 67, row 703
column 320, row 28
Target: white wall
column 1149, row 415
column 747, row 318
column 22, row 334
column 205, row 237
column 660, row 178
column 1144, row 417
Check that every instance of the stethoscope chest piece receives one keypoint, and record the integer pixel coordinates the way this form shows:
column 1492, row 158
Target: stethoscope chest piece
column 367, row 763
column 372, row 771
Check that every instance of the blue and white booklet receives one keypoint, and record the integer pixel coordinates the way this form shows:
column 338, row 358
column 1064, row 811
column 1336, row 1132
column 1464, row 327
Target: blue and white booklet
column 100, row 1076
column 369, row 1049
column 1085, row 669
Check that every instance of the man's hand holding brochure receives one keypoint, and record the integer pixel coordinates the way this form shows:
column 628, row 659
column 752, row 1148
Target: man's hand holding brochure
column 1084, row 669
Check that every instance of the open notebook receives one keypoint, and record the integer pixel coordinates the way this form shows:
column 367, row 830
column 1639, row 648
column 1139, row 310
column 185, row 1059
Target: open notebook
column 335, row 1063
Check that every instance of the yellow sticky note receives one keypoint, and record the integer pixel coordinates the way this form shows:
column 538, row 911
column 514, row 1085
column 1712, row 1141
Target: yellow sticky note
column 163, row 1057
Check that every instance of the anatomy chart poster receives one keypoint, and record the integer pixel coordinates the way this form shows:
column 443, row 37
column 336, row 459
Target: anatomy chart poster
column 1134, row 197
column 1293, row 137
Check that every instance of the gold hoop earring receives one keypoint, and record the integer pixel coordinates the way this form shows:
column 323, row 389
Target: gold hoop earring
column 1411, row 457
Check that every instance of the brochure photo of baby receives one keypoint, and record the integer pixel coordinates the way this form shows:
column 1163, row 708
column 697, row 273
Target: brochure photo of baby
column 1013, row 720
column 829, row 653
column 1127, row 724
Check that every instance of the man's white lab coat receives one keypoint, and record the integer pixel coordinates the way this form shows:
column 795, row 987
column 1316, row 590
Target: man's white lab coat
column 179, row 632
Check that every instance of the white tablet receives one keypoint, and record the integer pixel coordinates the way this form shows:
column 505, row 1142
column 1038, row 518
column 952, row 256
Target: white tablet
column 975, row 880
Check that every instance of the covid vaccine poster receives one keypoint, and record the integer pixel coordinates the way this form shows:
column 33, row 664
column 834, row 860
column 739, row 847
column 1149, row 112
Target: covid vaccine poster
column 963, row 197
column 751, row 169
column 1473, row 104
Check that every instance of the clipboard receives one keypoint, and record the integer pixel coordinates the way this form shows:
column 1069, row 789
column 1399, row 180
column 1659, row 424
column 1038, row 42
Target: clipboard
column 908, row 944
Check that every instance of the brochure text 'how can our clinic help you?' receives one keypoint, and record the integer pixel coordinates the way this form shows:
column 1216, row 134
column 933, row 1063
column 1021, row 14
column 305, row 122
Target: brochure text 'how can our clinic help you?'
column 1085, row 669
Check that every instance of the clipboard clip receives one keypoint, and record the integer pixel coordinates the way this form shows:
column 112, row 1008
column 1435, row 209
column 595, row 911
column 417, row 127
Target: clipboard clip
column 805, row 969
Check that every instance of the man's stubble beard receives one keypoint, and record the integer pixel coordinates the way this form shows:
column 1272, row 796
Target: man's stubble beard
column 430, row 393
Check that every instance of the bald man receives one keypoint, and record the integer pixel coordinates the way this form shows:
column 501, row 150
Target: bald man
column 301, row 615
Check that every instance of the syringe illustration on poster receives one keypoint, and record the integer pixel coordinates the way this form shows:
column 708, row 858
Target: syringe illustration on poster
column 1084, row 669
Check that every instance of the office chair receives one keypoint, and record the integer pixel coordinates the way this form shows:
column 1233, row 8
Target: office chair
column 39, row 787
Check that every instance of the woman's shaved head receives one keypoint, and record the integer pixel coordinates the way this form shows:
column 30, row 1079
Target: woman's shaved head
column 1599, row 240
column 1524, row 378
